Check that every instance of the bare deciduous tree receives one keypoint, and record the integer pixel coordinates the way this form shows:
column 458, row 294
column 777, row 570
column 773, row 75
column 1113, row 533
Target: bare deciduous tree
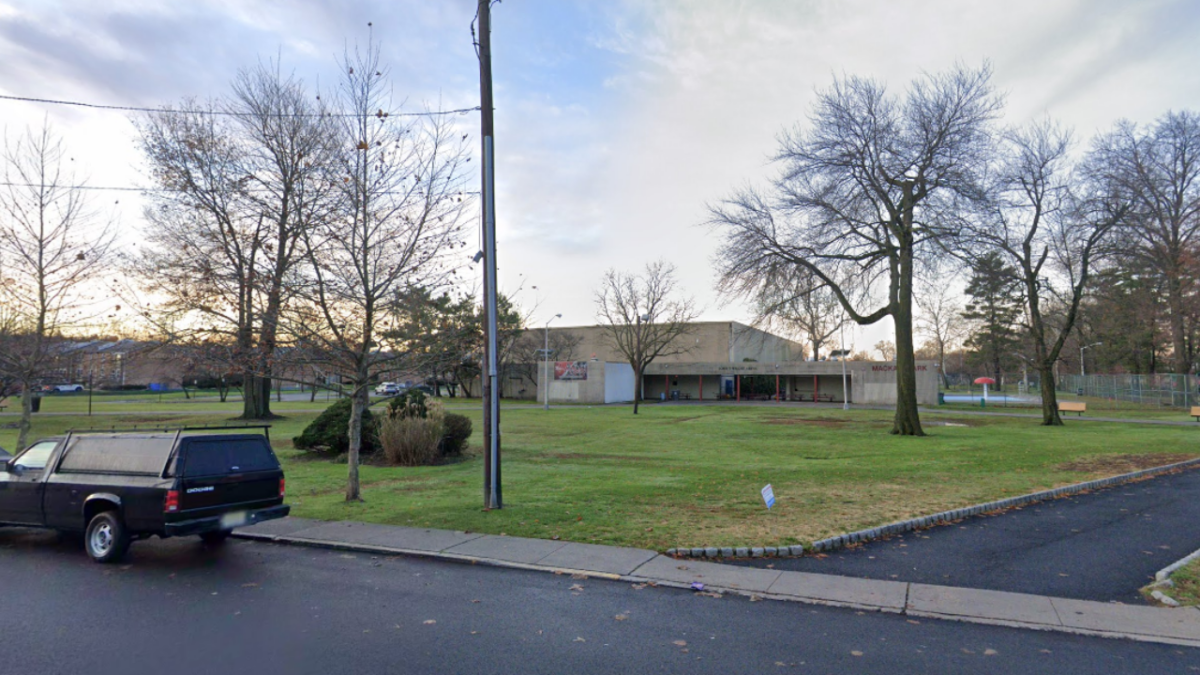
column 863, row 197
column 940, row 317
column 52, row 249
column 400, row 213
column 1160, row 166
column 1050, row 223
column 886, row 349
column 642, row 317
column 224, row 238
column 795, row 302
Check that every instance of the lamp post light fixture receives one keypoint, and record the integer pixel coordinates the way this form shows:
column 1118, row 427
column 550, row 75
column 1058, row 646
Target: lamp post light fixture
column 546, row 360
column 840, row 355
column 1081, row 370
column 845, row 391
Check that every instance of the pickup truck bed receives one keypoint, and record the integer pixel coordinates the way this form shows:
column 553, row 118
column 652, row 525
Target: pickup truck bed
column 119, row 487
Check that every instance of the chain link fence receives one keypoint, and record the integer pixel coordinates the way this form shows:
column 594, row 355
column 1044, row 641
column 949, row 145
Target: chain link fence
column 1165, row 390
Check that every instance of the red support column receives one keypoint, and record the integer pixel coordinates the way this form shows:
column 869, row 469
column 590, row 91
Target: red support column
column 776, row 386
column 739, row 387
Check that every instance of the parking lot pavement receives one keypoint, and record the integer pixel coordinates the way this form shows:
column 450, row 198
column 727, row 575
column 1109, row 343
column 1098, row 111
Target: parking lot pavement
column 1102, row 546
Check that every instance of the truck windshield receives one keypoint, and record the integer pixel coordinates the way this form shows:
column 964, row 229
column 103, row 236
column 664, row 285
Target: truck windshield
column 212, row 457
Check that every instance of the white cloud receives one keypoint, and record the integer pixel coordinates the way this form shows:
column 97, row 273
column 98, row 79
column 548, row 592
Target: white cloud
column 618, row 122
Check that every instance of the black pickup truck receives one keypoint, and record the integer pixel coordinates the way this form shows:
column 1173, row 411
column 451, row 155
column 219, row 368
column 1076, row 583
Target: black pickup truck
column 119, row 487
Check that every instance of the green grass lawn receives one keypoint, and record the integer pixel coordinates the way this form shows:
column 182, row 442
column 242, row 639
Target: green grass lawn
column 691, row 475
column 1187, row 585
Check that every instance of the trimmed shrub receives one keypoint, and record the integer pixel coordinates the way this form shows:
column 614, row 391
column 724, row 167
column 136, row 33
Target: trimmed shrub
column 458, row 430
column 329, row 432
column 409, row 438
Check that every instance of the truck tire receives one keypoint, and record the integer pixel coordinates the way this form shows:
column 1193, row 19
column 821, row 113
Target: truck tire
column 216, row 537
column 106, row 539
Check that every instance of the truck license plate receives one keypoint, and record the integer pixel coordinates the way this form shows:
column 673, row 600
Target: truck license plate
column 234, row 519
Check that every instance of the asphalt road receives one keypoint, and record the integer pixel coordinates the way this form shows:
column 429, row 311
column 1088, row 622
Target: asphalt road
column 176, row 607
column 1104, row 545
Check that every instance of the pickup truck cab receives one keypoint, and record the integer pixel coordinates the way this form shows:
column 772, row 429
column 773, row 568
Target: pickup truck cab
column 120, row 487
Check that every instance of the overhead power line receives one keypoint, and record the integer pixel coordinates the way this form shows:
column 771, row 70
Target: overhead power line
column 226, row 113
column 116, row 188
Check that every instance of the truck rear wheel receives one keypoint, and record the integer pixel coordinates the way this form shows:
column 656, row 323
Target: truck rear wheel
column 215, row 537
column 106, row 539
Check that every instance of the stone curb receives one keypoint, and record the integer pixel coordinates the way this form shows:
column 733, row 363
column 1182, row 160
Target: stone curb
column 1162, row 579
column 634, row 577
column 420, row 553
column 922, row 522
column 738, row 552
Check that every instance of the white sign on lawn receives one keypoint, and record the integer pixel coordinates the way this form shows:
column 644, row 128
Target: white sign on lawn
column 769, row 495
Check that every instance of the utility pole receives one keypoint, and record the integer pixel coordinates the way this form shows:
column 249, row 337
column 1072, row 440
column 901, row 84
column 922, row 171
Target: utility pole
column 492, row 498
column 546, row 361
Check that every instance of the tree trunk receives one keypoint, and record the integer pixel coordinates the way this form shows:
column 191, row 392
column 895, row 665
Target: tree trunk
column 1050, row 416
column 26, row 418
column 1178, row 340
column 256, row 400
column 908, row 419
column 357, row 405
column 941, row 364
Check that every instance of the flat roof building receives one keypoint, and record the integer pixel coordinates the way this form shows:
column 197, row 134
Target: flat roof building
column 723, row 360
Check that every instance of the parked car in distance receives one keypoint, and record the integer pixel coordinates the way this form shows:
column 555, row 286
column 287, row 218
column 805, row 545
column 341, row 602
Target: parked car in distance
column 119, row 487
column 388, row 389
column 62, row 388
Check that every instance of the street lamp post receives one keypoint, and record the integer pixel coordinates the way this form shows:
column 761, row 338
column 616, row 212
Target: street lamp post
column 845, row 392
column 1081, row 370
column 546, row 361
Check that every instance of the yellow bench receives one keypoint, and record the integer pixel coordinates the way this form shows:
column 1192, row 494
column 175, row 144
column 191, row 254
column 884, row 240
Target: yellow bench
column 1196, row 412
column 1073, row 406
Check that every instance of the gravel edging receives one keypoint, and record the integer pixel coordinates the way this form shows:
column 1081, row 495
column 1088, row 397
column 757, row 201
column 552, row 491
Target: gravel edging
column 922, row 522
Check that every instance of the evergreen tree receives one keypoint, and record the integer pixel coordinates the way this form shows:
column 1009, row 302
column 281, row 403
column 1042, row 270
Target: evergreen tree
column 995, row 308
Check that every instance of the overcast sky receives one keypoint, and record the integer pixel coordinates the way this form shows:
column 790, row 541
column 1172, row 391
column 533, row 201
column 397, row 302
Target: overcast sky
column 617, row 122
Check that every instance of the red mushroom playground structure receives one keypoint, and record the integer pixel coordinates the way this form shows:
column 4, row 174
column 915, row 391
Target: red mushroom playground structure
column 985, row 381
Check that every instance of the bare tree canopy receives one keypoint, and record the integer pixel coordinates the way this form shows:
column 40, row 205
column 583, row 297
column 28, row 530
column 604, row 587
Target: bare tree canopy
column 1160, row 167
column 224, row 240
column 51, row 247
column 797, row 303
column 939, row 316
column 643, row 318
column 400, row 213
column 865, row 193
column 1047, row 225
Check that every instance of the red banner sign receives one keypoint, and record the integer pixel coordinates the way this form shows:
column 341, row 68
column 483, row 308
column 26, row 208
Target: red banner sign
column 570, row 370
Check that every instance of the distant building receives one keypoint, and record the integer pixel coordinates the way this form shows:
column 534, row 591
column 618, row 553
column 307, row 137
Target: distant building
column 724, row 361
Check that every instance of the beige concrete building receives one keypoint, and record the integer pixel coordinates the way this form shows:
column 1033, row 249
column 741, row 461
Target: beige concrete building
column 727, row 341
column 725, row 361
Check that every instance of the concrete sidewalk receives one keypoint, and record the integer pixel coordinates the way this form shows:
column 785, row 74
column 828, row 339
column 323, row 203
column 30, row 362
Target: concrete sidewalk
column 1172, row 626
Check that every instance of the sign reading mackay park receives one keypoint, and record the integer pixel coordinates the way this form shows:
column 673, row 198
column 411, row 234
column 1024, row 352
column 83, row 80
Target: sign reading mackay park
column 570, row 370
